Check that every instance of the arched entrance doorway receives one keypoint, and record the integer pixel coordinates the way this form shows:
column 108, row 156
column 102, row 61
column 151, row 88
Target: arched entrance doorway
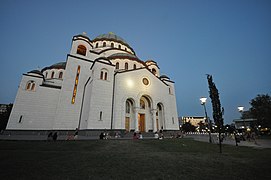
column 129, row 114
column 144, row 116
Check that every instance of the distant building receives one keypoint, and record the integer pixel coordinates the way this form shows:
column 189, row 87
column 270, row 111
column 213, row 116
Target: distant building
column 244, row 123
column 194, row 120
column 101, row 85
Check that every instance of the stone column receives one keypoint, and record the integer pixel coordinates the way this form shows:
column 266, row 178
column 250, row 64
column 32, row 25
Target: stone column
column 136, row 110
column 154, row 125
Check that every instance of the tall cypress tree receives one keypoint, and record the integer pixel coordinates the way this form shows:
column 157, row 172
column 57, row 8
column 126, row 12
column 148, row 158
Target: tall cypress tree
column 217, row 111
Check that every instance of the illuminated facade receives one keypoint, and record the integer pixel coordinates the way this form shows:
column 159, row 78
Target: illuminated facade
column 194, row 120
column 102, row 85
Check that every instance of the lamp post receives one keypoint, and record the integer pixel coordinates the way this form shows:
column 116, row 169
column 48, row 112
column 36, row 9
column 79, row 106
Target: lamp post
column 241, row 109
column 203, row 102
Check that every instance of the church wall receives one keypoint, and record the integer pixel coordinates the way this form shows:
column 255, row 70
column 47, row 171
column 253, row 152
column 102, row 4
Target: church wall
column 129, row 85
column 86, row 104
column 33, row 110
column 171, row 114
column 101, row 98
column 67, row 116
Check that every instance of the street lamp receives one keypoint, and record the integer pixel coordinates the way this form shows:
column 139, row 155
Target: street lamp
column 241, row 110
column 203, row 102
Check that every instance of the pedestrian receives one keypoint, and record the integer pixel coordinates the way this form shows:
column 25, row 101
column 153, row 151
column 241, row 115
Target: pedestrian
column 55, row 136
column 76, row 134
column 161, row 135
column 253, row 137
column 156, row 136
column 135, row 136
column 140, row 136
column 102, row 135
column 236, row 138
column 50, row 136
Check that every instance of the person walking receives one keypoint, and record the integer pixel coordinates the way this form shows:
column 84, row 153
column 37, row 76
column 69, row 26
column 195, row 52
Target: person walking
column 236, row 138
column 55, row 136
column 76, row 134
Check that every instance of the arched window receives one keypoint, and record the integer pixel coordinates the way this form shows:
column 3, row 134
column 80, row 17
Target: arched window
column 117, row 65
column 82, row 50
column 125, row 49
column 134, row 66
column 142, row 104
column 126, row 66
column 46, row 74
column 104, row 44
column 96, row 45
column 153, row 71
column 127, row 107
column 101, row 115
column 119, row 47
column 112, row 45
column 75, row 85
column 101, row 75
column 33, row 87
column 30, row 86
column 52, row 75
column 60, row 75
column 104, row 74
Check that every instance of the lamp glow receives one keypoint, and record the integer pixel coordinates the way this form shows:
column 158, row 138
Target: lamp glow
column 130, row 83
column 203, row 100
column 240, row 108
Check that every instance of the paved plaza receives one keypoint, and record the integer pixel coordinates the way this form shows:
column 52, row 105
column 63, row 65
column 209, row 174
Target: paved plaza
column 259, row 143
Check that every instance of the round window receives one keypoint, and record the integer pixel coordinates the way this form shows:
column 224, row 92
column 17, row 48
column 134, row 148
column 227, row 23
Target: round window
column 145, row 81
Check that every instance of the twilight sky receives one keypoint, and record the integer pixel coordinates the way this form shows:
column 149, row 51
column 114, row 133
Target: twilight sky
column 229, row 39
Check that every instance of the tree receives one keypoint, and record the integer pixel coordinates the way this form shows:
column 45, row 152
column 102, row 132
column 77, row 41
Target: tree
column 217, row 111
column 201, row 126
column 188, row 127
column 4, row 116
column 261, row 110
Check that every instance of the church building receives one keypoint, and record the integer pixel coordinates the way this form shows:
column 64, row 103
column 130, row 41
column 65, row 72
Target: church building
column 101, row 85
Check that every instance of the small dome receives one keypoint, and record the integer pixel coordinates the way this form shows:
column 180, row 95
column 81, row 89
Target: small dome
column 110, row 36
column 123, row 55
column 126, row 56
column 60, row 65
column 164, row 77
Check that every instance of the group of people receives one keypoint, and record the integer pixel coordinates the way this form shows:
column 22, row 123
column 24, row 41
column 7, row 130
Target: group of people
column 103, row 135
column 52, row 136
column 250, row 136
column 137, row 136
column 73, row 136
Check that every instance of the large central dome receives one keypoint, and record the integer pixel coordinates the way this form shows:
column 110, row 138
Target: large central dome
column 110, row 36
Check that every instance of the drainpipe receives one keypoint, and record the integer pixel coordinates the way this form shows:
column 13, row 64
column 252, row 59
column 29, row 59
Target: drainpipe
column 113, row 99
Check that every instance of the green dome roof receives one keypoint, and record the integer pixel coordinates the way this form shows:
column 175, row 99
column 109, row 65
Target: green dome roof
column 110, row 36
column 60, row 65
column 117, row 55
column 126, row 56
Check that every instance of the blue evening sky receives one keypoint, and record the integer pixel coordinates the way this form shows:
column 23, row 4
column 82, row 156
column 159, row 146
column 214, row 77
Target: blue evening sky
column 230, row 39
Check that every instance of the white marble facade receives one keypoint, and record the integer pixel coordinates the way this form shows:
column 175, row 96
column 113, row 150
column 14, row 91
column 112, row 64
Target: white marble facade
column 102, row 85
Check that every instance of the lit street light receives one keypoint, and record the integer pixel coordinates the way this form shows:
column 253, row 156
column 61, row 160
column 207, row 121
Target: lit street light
column 202, row 102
